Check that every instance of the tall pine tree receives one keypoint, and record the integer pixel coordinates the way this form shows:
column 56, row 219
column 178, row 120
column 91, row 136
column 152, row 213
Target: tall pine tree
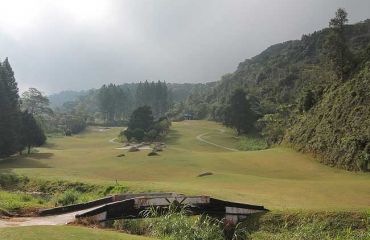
column 9, row 111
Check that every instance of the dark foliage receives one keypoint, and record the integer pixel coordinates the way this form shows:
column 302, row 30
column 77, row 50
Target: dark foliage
column 143, row 127
column 239, row 113
column 32, row 134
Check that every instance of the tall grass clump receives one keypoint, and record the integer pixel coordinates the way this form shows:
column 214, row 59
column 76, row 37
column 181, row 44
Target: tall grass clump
column 172, row 224
column 251, row 143
column 67, row 198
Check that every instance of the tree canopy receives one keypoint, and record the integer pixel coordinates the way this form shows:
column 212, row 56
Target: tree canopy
column 239, row 113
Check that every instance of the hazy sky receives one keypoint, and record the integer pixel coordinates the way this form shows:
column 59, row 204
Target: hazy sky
column 80, row 44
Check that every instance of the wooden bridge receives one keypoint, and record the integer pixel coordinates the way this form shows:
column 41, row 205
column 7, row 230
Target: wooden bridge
column 130, row 206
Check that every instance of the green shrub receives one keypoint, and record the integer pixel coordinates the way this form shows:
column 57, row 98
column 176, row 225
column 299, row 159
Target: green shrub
column 68, row 197
column 115, row 189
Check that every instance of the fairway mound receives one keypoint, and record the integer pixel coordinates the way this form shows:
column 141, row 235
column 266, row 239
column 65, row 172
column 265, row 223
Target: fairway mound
column 153, row 154
column 205, row 174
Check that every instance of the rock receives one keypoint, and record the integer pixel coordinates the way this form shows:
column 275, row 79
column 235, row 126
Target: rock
column 205, row 174
column 157, row 148
column 121, row 155
column 133, row 149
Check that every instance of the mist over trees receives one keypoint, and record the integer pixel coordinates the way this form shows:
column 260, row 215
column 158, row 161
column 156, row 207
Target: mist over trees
column 116, row 102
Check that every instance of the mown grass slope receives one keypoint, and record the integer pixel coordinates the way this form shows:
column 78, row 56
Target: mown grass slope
column 277, row 178
column 62, row 233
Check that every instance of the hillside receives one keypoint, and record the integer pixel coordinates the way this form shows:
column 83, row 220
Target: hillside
column 338, row 127
column 295, row 87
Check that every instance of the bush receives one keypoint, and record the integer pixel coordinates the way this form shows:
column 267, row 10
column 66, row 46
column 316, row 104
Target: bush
column 138, row 134
column 114, row 189
column 152, row 134
column 68, row 197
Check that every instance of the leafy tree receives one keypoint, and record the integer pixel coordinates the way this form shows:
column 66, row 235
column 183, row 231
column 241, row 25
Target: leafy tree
column 338, row 51
column 34, row 102
column 239, row 113
column 142, row 126
column 32, row 133
column 141, row 118
column 74, row 124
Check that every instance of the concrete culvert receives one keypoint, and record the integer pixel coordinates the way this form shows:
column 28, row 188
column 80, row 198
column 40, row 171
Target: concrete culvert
column 205, row 174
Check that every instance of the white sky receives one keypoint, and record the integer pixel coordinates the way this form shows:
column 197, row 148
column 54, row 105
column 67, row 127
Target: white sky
column 80, row 44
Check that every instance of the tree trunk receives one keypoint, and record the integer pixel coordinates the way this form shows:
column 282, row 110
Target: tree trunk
column 29, row 149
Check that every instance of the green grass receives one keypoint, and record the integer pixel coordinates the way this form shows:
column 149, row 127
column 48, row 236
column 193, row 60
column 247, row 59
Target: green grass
column 19, row 201
column 278, row 178
column 62, row 233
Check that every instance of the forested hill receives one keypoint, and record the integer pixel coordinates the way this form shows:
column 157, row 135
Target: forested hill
column 302, row 101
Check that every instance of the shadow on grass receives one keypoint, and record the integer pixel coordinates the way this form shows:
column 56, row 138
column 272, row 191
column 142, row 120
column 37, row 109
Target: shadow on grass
column 49, row 145
column 26, row 161
column 172, row 137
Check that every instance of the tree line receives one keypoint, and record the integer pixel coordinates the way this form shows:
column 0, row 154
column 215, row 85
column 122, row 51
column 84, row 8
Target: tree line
column 19, row 129
column 117, row 102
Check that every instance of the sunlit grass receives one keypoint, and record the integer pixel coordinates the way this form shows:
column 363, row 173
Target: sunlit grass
column 277, row 178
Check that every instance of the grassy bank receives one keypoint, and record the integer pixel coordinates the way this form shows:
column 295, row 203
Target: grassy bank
column 279, row 225
column 23, row 195
column 278, row 178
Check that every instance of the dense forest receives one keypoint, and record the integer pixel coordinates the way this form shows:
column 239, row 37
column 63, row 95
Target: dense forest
column 313, row 93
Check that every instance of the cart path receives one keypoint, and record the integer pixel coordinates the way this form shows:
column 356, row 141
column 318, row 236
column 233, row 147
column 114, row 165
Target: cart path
column 200, row 138
column 61, row 219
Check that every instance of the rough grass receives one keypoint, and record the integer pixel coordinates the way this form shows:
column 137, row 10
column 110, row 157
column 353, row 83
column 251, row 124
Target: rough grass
column 310, row 225
column 11, row 201
column 62, row 233
column 247, row 143
column 278, row 178
column 23, row 194
column 279, row 225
